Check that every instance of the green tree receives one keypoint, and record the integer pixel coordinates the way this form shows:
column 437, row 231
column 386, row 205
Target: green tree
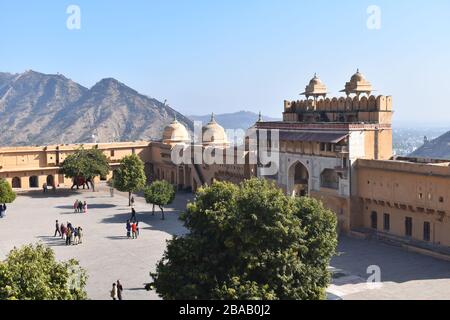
column 85, row 164
column 32, row 273
column 249, row 241
column 160, row 193
column 130, row 177
column 7, row 195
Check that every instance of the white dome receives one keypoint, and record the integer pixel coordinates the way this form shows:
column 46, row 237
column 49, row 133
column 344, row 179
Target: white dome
column 214, row 134
column 175, row 133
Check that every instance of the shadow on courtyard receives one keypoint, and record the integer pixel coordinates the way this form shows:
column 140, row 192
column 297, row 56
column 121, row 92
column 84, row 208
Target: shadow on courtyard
column 171, row 225
column 397, row 265
column 90, row 206
column 60, row 193
column 52, row 241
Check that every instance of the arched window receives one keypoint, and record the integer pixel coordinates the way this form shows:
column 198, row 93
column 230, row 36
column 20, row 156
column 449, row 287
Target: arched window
column 34, row 182
column 50, row 180
column 16, row 183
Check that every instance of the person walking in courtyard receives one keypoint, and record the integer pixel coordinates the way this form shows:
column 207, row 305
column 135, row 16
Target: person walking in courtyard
column 75, row 236
column 80, row 206
column 132, row 202
column 128, row 227
column 2, row 210
column 63, row 231
column 57, row 229
column 68, row 236
column 114, row 291
column 75, row 206
column 133, row 214
column 133, row 231
column 85, row 207
column 119, row 290
column 72, row 233
column 137, row 228
column 80, row 235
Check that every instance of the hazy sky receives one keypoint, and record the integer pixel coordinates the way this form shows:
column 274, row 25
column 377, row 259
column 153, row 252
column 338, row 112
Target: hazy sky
column 231, row 55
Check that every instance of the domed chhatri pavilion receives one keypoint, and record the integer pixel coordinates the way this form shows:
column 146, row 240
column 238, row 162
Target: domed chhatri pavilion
column 214, row 134
column 176, row 133
column 315, row 88
column 357, row 85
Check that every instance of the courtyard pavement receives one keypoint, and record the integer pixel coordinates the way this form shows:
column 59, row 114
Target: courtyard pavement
column 108, row 255
column 404, row 275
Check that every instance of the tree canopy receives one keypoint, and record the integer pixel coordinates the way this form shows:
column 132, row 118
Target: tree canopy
column 130, row 177
column 160, row 193
column 7, row 195
column 32, row 273
column 249, row 241
column 86, row 164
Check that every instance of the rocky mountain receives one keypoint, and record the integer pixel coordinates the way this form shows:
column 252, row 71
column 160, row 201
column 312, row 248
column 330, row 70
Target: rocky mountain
column 40, row 109
column 237, row 120
column 438, row 148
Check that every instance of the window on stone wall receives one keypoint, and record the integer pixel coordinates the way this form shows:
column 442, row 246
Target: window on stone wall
column 426, row 231
column 408, row 226
column 112, row 153
column 322, row 146
column 441, row 199
column 329, row 179
column 374, row 220
column 387, row 222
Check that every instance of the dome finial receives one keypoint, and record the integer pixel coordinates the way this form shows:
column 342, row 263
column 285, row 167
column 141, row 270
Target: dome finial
column 175, row 117
column 213, row 117
column 260, row 119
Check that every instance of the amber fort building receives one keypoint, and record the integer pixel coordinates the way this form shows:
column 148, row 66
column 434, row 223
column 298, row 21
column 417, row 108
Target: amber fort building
column 336, row 149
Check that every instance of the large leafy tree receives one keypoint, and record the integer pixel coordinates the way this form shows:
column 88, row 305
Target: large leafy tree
column 249, row 241
column 160, row 193
column 85, row 165
column 32, row 273
column 7, row 195
column 130, row 177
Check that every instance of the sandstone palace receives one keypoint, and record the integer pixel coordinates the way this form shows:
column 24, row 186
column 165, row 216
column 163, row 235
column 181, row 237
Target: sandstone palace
column 338, row 150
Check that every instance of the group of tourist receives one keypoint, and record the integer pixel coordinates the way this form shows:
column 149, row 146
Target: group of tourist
column 70, row 234
column 116, row 291
column 2, row 210
column 132, row 228
column 80, row 207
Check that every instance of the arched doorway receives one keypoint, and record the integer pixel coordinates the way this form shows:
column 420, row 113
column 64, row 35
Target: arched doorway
column 299, row 180
column 16, row 183
column 50, row 180
column 34, row 182
column 180, row 178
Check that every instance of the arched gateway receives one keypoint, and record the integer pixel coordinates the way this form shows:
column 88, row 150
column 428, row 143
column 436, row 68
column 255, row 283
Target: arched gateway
column 298, row 180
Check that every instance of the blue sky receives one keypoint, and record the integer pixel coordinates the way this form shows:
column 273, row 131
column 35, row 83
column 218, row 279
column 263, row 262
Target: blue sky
column 226, row 56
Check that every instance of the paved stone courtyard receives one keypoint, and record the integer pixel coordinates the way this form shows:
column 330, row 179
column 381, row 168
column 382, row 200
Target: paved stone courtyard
column 404, row 275
column 106, row 252
column 108, row 255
